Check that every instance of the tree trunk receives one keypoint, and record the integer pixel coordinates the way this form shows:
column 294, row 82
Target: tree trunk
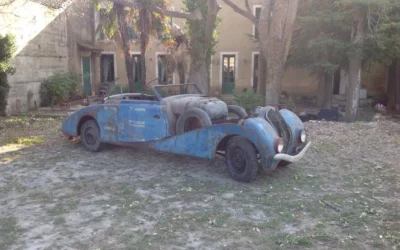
column 353, row 87
column 273, row 77
column 275, row 39
column 200, row 51
column 262, row 68
column 397, row 84
column 321, row 97
column 325, row 90
column 144, row 41
column 198, row 74
column 181, row 72
column 123, row 31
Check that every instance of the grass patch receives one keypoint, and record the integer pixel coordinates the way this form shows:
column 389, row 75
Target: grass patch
column 59, row 221
column 9, row 232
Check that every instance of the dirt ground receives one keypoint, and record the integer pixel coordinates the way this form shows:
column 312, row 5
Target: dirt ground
column 345, row 194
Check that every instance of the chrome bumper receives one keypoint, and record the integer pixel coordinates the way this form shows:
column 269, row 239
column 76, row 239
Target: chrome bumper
column 290, row 158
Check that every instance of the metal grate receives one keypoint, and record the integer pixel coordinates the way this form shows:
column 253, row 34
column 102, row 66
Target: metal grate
column 283, row 130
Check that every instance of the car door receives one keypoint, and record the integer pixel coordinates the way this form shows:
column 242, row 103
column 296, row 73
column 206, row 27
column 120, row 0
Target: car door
column 141, row 121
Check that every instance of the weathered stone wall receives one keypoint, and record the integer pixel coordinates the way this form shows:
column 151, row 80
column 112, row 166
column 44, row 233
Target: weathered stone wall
column 41, row 35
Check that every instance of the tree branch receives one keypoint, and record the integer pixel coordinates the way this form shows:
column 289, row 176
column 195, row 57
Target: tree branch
column 248, row 6
column 246, row 13
column 213, row 9
column 196, row 15
column 177, row 14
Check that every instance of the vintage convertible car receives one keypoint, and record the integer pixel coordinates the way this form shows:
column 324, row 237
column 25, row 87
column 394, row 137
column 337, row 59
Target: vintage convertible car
column 179, row 119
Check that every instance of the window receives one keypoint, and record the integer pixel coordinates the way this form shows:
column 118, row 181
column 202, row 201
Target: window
column 228, row 73
column 336, row 82
column 107, row 68
column 255, row 71
column 164, row 77
column 257, row 14
column 137, row 73
column 136, row 68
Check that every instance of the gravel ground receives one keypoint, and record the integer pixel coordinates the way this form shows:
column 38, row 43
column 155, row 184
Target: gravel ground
column 55, row 195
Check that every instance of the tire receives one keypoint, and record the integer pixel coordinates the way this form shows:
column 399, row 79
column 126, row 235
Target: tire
column 192, row 119
column 237, row 110
column 241, row 159
column 90, row 136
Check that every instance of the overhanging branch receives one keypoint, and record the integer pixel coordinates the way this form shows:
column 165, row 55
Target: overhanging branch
column 246, row 13
column 177, row 14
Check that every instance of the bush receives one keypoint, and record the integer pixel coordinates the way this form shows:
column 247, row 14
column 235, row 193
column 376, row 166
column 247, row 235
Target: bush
column 61, row 87
column 7, row 48
column 247, row 99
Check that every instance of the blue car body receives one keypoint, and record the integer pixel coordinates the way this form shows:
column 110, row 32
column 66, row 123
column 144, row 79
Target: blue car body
column 128, row 122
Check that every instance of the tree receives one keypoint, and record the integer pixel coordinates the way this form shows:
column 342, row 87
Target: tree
column 343, row 34
column 7, row 49
column 275, row 27
column 201, row 19
column 319, row 44
column 119, row 21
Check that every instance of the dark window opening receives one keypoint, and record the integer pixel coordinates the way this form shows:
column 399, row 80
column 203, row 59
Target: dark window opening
column 336, row 83
column 137, row 73
column 255, row 72
column 228, row 73
column 107, row 73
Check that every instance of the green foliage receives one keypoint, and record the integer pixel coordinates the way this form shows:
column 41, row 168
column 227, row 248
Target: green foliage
column 248, row 99
column 7, row 49
column 61, row 87
column 322, row 41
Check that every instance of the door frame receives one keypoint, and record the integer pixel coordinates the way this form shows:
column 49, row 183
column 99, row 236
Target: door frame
column 222, row 54
column 115, row 61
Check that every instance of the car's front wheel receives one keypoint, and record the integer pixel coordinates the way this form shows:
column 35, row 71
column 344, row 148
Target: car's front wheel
column 90, row 136
column 241, row 159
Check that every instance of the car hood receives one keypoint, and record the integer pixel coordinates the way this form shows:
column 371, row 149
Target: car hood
column 214, row 107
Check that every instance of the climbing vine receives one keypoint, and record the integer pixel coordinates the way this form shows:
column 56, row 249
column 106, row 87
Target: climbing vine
column 7, row 49
column 196, row 32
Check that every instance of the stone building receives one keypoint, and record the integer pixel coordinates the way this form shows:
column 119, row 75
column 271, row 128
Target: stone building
column 52, row 36
column 59, row 36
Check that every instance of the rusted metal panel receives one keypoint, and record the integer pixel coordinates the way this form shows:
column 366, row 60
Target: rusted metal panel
column 203, row 143
column 145, row 122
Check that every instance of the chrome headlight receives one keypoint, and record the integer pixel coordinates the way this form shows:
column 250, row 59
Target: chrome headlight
column 280, row 145
column 303, row 136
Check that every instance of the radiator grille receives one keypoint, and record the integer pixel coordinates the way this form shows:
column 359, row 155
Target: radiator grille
column 283, row 130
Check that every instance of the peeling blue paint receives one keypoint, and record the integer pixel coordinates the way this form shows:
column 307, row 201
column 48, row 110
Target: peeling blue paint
column 134, row 121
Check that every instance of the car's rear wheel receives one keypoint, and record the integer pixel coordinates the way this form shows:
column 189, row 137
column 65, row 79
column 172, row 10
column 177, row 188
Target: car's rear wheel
column 241, row 159
column 192, row 119
column 90, row 136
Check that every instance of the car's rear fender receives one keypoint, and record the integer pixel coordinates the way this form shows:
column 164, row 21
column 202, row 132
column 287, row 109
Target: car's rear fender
column 104, row 115
column 203, row 143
